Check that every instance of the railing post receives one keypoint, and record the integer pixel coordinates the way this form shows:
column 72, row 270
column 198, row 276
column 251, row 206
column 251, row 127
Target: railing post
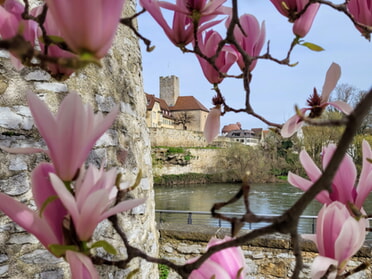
column 189, row 219
column 219, row 223
column 313, row 226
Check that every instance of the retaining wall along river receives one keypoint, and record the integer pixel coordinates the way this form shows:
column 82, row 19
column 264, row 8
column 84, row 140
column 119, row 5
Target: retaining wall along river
column 268, row 257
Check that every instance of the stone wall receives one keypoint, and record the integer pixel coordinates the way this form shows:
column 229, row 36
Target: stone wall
column 183, row 138
column 118, row 81
column 176, row 138
column 192, row 160
column 268, row 257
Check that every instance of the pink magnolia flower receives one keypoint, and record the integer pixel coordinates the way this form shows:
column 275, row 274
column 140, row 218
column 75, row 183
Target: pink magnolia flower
column 317, row 103
column 253, row 39
column 228, row 263
column 11, row 23
column 197, row 9
column 81, row 266
column 52, row 29
column 343, row 184
column 290, row 8
column 87, row 26
column 46, row 225
column 212, row 124
column 338, row 237
column 69, row 135
column 182, row 31
column 94, row 200
column 361, row 10
column 227, row 57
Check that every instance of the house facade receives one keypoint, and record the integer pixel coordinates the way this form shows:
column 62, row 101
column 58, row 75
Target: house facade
column 174, row 111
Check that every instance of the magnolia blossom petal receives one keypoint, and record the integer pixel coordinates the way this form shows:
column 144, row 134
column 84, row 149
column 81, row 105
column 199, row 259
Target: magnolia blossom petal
column 343, row 184
column 23, row 150
column 361, row 10
column 224, row 264
column 45, row 196
column 212, row 124
column 71, row 134
column 81, row 266
column 252, row 40
column 332, row 77
column 87, row 26
column 28, row 219
column 365, row 179
column 122, row 206
column 350, row 239
column 209, row 269
column 303, row 24
column 320, row 266
column 232, row 259
column 342, row 106
column 213, row 7
column 208, row 44
column 312, row 170
column 65, row 196
column 305, row 184
column 292, row 124
column 44, row 120
column 90, row 213
column 8, row 23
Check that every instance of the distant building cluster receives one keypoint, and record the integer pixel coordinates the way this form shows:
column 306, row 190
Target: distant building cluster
column 173, row 111
column 251, row 137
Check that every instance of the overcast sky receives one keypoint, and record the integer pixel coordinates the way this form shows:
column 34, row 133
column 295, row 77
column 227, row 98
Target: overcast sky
column 275, row 88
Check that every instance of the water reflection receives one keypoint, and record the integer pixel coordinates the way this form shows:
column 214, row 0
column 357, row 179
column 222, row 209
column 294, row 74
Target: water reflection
column 265, row 199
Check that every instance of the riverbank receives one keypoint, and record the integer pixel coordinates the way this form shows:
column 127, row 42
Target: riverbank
column 203, row 178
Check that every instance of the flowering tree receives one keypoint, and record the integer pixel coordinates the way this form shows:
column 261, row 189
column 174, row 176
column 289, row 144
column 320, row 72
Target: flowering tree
column 63, row 36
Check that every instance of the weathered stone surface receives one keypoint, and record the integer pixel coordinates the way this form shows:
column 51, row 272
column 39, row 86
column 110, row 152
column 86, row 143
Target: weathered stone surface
column 50, row 274
column 35, row 75
column 22, row 238
column 51, row 86
column 3, row 269
column 184, row 248
column 118, row 81
column 16, row 185
column 3, row 258
column 40, row 257
column 9, row 119
column 3, row 86
column 18, row 163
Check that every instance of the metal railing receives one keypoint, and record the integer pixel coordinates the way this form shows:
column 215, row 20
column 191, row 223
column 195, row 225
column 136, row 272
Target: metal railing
column 306, row 223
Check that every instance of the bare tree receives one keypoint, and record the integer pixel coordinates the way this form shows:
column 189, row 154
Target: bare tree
column 350, row 94
column 183, row 118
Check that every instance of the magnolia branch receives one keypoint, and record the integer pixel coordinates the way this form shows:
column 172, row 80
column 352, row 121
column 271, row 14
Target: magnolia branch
column 285, row 224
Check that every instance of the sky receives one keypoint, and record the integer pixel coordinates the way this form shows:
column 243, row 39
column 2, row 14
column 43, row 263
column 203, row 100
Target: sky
column 275, row 89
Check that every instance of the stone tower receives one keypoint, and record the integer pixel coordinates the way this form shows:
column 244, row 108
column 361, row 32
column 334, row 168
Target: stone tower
column 125, row 146
column 169, row 88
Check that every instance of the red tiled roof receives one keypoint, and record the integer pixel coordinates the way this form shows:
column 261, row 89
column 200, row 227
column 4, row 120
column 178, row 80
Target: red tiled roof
column 151, row 99
column 231, row 127
column 188, row 103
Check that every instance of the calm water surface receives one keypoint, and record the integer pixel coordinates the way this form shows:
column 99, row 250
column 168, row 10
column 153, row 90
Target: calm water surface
column 264, row 199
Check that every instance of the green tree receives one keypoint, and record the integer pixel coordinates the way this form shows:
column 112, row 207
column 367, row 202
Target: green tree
column 317, row 137
column 239, row 159
column 282, row 154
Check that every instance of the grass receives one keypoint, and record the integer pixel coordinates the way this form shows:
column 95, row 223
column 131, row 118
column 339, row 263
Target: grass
column 163, row 271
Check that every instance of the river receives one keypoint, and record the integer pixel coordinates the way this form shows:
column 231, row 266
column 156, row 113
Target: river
column 265, row 199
